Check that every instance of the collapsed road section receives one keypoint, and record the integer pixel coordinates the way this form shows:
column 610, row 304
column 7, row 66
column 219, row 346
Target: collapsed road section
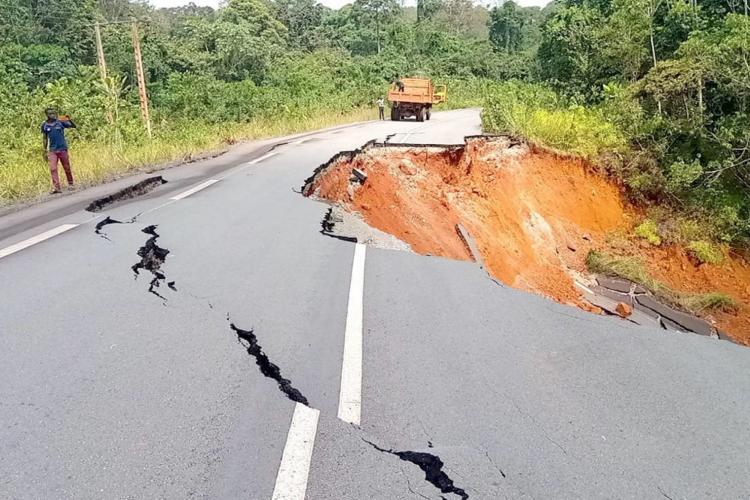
column 535, row 218
column 139, row 189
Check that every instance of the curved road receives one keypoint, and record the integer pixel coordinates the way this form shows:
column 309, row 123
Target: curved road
column 485, row 392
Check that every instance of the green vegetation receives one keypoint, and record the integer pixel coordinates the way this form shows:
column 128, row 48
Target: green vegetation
column 630, row 268
column 706, row 252
column 633, row 269
column 711, row 301
column 541, row 115
column 249, row 69
column 649, row 232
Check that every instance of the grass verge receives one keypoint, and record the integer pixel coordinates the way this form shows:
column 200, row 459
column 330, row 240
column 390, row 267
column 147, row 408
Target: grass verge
column 633, row 269
column 94, row 162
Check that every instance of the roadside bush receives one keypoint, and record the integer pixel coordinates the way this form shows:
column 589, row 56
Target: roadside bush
column 539, row 114
column 649, row 231
column 706, row 252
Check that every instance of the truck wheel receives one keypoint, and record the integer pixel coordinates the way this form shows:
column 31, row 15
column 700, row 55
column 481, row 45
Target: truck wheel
column 395, row 114
column 429, row 113
column 420, row 114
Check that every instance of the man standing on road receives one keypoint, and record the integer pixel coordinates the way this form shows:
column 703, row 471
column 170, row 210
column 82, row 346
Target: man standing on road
column 381, row 108
column 55, row 147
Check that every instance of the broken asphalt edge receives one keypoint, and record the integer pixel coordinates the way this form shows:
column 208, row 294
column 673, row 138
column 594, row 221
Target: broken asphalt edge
column 642, row 301
column 349, row 155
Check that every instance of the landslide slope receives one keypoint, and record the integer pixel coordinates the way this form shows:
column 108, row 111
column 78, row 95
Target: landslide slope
column 534, row 214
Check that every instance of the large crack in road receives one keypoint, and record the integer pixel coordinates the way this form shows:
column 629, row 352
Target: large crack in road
column 267, row 368
column 327, row 226
column 431, row 465
column 133, row 191
column 152, row 258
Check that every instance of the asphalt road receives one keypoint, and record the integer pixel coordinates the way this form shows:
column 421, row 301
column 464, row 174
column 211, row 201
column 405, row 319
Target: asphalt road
column 108, row 391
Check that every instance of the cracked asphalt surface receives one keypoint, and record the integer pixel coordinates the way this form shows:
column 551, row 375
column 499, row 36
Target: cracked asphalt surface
column 109, row 392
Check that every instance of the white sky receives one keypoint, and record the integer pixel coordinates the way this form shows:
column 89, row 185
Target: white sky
column 330, row 3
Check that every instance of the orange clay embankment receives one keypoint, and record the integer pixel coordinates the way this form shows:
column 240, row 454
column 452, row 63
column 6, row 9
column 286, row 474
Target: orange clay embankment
column 534, row 214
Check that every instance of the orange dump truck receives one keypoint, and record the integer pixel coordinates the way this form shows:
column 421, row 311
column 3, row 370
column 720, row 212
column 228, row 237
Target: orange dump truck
column 414, row 97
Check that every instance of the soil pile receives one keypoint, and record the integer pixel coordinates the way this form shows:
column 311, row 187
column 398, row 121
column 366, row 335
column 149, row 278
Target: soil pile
column 533, row 213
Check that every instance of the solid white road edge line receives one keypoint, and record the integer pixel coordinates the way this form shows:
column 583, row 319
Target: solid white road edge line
column 36, row 239
column 291, row 480
column 264, row 157
column 194, row 190
column 350, row 396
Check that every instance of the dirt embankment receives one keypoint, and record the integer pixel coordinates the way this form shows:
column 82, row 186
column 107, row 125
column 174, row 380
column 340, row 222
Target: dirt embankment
column 534, row 214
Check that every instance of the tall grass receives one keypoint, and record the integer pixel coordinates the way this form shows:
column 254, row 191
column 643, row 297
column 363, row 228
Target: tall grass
column 25, row 175
column 540, row 115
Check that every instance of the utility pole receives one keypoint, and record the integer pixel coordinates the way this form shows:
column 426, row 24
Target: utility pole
column 102, row 65
column 100, row 53
column 141, row 79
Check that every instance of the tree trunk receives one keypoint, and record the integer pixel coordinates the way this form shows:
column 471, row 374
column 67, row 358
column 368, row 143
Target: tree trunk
column 377, row 30
column 653, row 47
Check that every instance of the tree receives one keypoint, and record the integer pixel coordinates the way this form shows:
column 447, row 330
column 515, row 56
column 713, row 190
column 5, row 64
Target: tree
column 626, row 36
column 246, row 38
column 377, row 12
column 426, row 9
column 456, row 15
column 303, row 19
column 569, row 53
column 506, row 27
column 66, row 23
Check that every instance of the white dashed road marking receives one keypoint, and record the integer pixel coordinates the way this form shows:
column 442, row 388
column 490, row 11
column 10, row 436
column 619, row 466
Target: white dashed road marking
column 194, row 190
column 291, row 480
column 264, row 157
column 36, row 239
column 350, row 396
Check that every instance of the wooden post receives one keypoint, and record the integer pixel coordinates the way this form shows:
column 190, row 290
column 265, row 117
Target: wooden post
column 141, row 79
column 102, row 66
column 100, row 53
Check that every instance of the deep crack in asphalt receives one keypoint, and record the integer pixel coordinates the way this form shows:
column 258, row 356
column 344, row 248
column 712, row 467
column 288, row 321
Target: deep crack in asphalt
column 127, row 193
column 106, row 222
column 267, row 368
column 152, row 257
column 430, row 464
column 327, row 225
column 109, row 220
column 432, row 467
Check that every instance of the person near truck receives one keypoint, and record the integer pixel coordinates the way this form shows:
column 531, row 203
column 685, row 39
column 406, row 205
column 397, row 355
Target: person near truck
column 56, row 148
column 381, row 108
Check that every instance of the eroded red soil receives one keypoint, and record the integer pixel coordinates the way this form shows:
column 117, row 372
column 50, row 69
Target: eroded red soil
column 534, row 214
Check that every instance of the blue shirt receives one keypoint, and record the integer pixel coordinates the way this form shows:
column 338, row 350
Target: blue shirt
column 55, row 132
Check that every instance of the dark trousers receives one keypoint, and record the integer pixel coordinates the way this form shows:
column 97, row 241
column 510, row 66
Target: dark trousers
column 382, row 113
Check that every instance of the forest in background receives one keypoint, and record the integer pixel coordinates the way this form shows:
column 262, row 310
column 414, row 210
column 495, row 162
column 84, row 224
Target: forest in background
column 655, row 91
